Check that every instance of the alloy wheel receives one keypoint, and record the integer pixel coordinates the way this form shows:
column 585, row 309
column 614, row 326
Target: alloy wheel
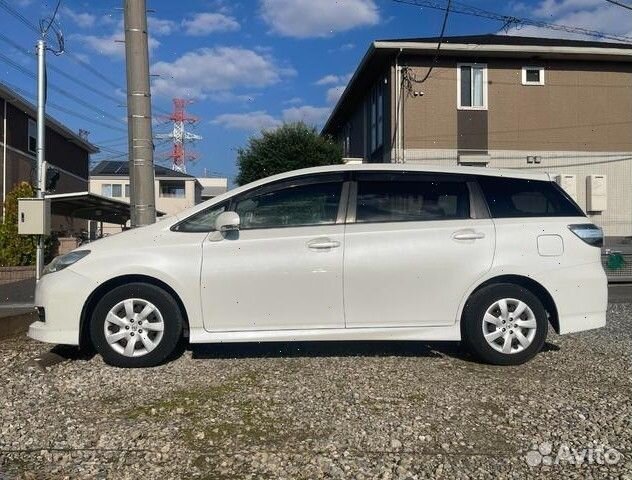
column 133, row 327
column 509, row 326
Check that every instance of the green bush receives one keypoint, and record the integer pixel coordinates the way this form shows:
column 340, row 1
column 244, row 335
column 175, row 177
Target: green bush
column 16, row 250
column 289, row 147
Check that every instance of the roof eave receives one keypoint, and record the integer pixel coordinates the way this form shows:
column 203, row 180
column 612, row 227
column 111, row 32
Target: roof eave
column 603, row 53
column 345, row 92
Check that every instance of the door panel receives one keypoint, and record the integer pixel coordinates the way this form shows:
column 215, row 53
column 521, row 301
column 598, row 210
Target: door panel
column 413, row 273
column 272, row 279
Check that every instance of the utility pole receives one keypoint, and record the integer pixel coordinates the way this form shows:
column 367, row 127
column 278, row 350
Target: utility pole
column 41, row 138
column 141, row 147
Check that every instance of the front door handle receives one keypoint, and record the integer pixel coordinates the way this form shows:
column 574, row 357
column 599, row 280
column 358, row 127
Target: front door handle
column 322, row 243
column 468, row 235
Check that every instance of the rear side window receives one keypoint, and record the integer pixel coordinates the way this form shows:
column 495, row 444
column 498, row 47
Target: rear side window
column 515, row 197
column 409, row 198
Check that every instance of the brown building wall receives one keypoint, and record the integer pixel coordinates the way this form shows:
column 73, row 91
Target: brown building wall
column 60, row 152
column 583, row 106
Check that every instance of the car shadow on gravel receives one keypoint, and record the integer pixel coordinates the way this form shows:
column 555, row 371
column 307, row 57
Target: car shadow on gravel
column 328, row 349
column 337, row 349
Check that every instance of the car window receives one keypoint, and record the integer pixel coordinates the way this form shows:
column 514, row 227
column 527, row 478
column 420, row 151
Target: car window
column 203, row 221
column 298, row 205
column 516, row 197
column 408, row 198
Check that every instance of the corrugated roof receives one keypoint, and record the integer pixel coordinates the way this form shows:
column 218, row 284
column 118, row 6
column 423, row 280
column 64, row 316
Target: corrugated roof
column 114, row 168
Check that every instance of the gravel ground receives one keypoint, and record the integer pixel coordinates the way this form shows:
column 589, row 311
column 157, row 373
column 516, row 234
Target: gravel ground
column 342, row 410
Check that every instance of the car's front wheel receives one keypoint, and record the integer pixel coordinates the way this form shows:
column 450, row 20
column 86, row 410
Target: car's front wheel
column 136, row 325
column 504, row 324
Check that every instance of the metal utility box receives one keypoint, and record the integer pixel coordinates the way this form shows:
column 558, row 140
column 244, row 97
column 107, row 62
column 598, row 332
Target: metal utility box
column 568, row 184
column 33, row 216
column 596, row 193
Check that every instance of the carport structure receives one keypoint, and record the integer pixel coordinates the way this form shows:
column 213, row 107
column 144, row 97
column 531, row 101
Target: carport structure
column 89, row 206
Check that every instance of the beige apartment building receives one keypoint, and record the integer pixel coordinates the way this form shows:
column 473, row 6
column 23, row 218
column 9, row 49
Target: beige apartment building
column 175, row 191
column 560, row 106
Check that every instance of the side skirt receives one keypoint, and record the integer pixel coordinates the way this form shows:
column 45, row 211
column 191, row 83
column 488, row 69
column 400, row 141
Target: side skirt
column 447, row 333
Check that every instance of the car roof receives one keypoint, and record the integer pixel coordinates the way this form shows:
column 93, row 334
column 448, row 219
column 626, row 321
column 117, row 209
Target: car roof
column 414, row 167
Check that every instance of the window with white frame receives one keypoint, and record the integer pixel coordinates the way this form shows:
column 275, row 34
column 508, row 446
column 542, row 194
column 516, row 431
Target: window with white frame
column 472, row 86
column 533, row 75
column 32, row 136
column 112, row 190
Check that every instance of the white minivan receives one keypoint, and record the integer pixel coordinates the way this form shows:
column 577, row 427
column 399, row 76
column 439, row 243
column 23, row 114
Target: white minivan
column 350, row 252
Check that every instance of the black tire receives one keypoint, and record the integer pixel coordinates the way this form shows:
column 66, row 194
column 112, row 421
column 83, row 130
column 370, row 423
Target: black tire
column 171, row 316
column 472, row 324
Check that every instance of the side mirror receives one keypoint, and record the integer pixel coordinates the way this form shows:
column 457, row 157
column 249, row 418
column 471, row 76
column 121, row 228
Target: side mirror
column 227, row 222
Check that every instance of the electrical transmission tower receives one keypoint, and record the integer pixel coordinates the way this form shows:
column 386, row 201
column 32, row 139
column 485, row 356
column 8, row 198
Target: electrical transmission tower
column 180, row 136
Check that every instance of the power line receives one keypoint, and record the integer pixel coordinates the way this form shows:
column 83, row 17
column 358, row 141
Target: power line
column 63, row 92
column 61, row 72
column 66, row 110
column 620, row 4
column 436, row 56
column 19, row 16
column 509, row 20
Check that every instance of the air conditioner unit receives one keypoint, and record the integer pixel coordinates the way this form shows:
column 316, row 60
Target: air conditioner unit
column 596, row 193
column 568, row 183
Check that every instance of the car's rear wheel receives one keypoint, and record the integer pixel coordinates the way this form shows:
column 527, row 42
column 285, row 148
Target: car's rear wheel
column 136, row 325
column 504, row 324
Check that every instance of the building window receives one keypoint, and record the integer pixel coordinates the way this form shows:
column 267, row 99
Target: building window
column 112, row 190
column 533, row 75
column 472, row 86
column 32, row 134
column 127, row 190
column 376, row 133
column 172, row 189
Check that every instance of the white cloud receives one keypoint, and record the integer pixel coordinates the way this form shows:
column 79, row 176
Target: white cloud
column 160, row 26
column 293, row 101
column 112, row 45
column 328, row 80
column 83, row 19
column 251, row 121
column 317, row 18
column 588, row 14
column 334, row 93
column 306, row 113
column 205, row 23
column 262, row 120
column 212, row 70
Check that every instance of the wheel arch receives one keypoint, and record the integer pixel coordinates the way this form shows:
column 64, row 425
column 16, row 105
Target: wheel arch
column 530, row 284
column 97, row 293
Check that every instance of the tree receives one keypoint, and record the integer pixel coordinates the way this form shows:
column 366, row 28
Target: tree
column 16, row 250
column 289, row 147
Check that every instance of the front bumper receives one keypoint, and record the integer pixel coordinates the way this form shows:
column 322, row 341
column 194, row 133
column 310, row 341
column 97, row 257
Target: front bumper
column 62, row 295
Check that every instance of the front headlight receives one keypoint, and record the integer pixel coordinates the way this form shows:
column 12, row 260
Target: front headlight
column 63, row 261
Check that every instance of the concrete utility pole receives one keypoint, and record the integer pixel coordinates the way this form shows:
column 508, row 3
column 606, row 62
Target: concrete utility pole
column 40, row 150
column 141, row 147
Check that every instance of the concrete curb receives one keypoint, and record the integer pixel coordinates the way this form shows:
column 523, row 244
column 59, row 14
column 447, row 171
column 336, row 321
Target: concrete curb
column 16, row 324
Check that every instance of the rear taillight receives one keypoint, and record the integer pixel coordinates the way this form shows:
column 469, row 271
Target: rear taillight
column 589, row 233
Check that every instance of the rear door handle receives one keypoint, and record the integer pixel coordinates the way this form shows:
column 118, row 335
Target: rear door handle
column 322, row 244
column 468, row 235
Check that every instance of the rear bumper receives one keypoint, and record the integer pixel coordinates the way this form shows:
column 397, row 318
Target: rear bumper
column 581, row 296
column 61, row 295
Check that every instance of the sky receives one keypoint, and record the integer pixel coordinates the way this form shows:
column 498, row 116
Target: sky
column 245, row 65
